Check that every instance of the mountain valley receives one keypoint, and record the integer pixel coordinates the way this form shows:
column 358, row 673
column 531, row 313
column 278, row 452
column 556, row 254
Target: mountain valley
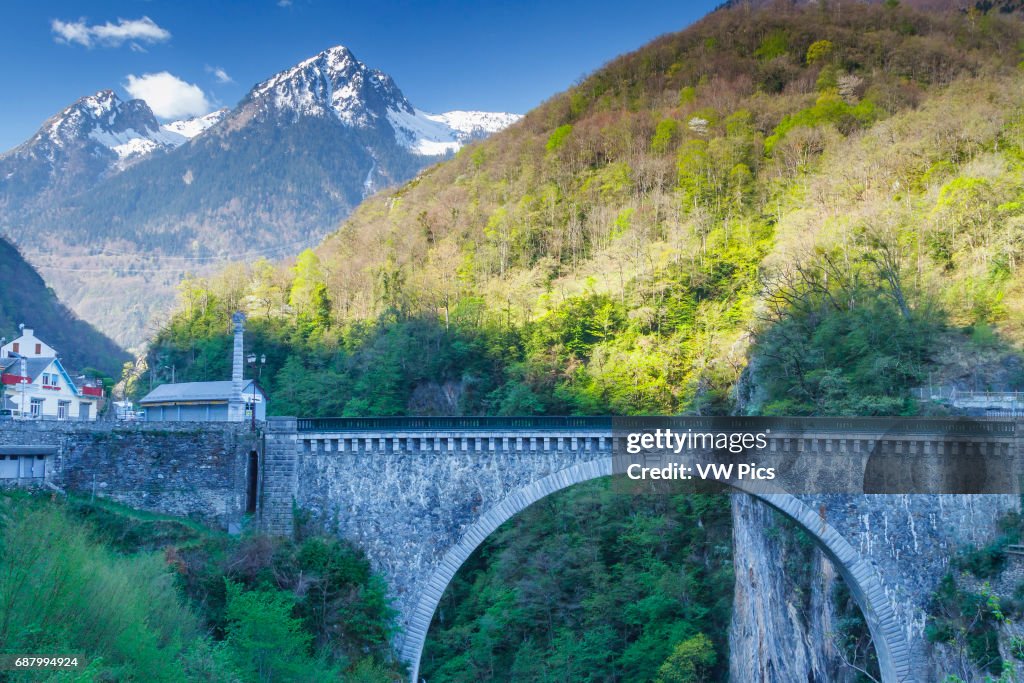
column 114, row 207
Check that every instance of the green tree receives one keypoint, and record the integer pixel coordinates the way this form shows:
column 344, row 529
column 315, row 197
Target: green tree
column 664, row 135
column 775, row 44
column 819, row 50
column 558, row 137
column 690, row 661
column 308, row 297
column 266, row 642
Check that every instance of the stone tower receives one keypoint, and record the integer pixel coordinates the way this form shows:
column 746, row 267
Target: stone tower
column 236, row 404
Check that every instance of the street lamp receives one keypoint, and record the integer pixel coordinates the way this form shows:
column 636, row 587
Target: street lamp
column 252, row 363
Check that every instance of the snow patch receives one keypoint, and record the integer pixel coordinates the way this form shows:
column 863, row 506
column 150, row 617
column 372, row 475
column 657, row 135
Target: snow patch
column 189, row 128
column 476, row 123
column 368, row 184
column 421, row 134
column 130, row 143
column 437, row 134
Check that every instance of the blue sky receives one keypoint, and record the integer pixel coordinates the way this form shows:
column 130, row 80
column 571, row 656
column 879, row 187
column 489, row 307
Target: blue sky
column 444, row 55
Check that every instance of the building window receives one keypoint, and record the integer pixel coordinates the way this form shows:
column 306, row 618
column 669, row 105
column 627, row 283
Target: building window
column 46, row 379
column 83, row 410
column 37, row 407
column 15, row 348
column 62, row 409
column 39, row 349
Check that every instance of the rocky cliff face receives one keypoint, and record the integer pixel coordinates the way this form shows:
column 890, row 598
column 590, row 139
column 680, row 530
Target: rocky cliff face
column 784, row 618
column 791, row 611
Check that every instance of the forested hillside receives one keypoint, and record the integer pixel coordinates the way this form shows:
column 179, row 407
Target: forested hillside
column 25, row 298
column 801, row 210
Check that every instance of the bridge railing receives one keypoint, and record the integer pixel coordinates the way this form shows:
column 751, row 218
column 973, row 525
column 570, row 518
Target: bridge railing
column 848, row 425
column 443, row 423
column 951, row 426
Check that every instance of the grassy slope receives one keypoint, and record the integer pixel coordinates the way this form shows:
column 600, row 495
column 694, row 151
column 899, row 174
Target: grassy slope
column 147, row 595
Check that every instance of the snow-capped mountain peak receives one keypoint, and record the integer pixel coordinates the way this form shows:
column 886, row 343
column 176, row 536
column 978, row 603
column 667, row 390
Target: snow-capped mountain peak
column 112, row 131
column 97, row 115
column 334, row 83
column 331, row 83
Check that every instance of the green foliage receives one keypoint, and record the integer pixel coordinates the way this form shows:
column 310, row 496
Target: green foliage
column 968, row 623
column 852, row 636
column 989, row 561
column 591, row 584
column 829, row 109
column 61, row 591
column 308, row 297
column 180, row 602
column 558, row 137
column 828, row 360
column 266, row 642
column 690, row 662
column 828, row 79
column 775, row 44
column 664, row 136
column 819, row 50
column 332, row 601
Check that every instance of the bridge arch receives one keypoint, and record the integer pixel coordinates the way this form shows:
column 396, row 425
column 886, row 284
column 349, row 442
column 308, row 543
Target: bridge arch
column 895, row 657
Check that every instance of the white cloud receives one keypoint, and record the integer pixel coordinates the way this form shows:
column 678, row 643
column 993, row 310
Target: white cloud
column 143, row 30
column 220, row 74
column 168, row 96
column 71, row 32
column 284, row 3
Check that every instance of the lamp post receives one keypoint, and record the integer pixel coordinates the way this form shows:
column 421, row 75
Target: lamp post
column 23, row 385
column 252, row 363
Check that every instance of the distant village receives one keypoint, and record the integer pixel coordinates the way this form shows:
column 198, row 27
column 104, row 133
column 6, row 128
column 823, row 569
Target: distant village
column 36, row 386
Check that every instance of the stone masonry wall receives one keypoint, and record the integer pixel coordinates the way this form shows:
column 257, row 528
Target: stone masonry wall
column 278, row 480
column 193, row 470
column 406, row 509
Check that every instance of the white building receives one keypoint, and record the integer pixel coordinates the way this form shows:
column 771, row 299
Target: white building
column 36, row 386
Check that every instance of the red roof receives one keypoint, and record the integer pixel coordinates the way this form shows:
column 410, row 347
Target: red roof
column 92, row 391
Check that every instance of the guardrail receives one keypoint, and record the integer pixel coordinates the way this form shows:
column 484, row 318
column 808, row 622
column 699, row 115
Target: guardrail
column 851, row 425
column 443, row 423
column 957, row 396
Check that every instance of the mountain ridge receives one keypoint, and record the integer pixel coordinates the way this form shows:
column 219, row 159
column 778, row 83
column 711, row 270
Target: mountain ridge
column 103, row 182
column 25, row 298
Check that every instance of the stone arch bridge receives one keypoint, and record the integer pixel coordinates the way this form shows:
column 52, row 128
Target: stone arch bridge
column 420, row 494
